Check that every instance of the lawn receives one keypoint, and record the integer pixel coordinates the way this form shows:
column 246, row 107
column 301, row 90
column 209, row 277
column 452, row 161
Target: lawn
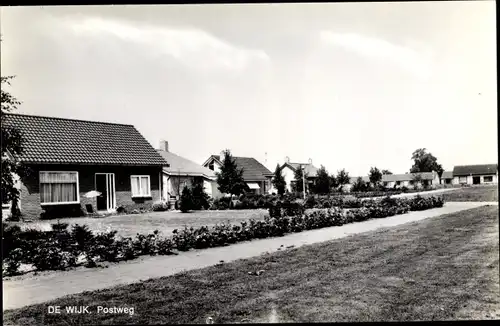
column 477, row 193
column 437, row 269
column 166, row 222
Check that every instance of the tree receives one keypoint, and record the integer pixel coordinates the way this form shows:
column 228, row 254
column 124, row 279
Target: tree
column 333, row 183
column 230, row 178
column 200, row 198
column 342, row 179
column 375, row 176
column 298, row 185
column 11, row 145
column 425, row 162
column 359, row 185
column 186, row 200
column 278, row 180
column 386, row 172
column 323, row 181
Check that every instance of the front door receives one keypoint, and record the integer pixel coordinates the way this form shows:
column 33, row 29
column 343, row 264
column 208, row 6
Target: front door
column 476, row 180
column 105, row 184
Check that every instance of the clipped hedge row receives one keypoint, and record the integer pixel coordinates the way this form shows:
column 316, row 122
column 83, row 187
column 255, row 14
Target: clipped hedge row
column 61, row 248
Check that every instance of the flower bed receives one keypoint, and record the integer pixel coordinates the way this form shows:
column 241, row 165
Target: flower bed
column 62, row 248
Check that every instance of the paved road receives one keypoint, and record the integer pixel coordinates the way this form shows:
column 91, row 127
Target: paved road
column 23, row 292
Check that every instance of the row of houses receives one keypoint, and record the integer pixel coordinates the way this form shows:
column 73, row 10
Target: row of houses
column 70, row 159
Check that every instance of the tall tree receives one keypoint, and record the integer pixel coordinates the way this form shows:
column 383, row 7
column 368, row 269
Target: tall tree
column 300, row 176
column 386, row 172
column 323, row 181
column 425, row 162
column 342, row 179
column 375, row 176
column 278, row 180
column 11, row 145
column 230, row 178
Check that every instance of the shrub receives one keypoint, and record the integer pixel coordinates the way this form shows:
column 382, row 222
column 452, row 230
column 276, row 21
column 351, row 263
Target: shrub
column 59, row 227
column 160, row 206
column 200, row 198
column 186, row 203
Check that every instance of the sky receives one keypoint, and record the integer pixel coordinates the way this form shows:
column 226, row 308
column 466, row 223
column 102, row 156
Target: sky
column 347, row 85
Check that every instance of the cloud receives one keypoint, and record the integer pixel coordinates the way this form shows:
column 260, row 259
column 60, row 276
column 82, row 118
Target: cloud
column 413, row 61
column 193, row 47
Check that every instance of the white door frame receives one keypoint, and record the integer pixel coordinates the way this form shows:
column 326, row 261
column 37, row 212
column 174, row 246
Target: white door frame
column 110, row 190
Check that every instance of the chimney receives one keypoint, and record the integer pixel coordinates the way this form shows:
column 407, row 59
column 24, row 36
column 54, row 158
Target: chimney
column 310, row 161
column 287, row 159
column 164, row 145
column 222, row 155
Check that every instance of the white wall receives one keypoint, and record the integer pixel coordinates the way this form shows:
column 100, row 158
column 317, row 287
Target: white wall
column 289, row 176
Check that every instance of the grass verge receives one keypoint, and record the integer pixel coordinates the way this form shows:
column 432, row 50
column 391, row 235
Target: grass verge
column 481, row 193
column 437, row 269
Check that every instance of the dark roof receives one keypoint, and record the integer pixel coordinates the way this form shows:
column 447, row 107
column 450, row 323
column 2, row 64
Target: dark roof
column 48, row 140
column 183, row 166
column 475, row 169
column 253, row 170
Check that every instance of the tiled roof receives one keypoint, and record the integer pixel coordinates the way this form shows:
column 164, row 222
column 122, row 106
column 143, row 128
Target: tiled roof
column 475, row 169
column 447, row 175
column 253, row 170
column 354, row 179
column 311, row 170
column 184, row 166
column 66, row 141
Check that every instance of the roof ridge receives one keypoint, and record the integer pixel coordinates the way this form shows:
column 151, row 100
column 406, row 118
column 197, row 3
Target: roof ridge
column 68, row 119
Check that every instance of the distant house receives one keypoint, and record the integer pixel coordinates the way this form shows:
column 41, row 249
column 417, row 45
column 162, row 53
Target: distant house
column 475, row 174
column 404, row 180
column 447, row 178
column 69, row 158
column 288, row 170
column 257, row 176
column 183, row 172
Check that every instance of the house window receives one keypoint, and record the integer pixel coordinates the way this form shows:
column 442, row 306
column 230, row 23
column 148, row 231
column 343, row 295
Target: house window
column 398, row 183
column 488, row 178
column 462, row 179
column 141, row 186
column 412, row 182
column 447, row 181
column 59, row 187
column 211, row 166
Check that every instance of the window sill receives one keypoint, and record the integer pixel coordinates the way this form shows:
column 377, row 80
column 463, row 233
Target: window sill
column 139, row 197
column 62, row 203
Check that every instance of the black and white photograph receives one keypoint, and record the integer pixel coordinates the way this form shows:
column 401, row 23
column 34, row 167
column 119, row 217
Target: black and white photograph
column 251, row 163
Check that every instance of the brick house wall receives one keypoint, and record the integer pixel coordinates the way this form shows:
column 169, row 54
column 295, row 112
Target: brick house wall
column 30, row 188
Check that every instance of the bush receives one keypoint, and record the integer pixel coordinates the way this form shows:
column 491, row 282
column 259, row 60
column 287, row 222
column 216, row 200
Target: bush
column 200, row 198
column 59, row 227
column 160, row 206
column 186, row 203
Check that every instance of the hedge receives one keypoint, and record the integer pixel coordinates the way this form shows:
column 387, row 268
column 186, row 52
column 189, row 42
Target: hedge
column 62, row 248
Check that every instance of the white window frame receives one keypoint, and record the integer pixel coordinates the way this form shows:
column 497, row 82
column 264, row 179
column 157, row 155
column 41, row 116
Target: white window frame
column 140, row 185
column 487, row 176
column 462, row 179
column 66, row 202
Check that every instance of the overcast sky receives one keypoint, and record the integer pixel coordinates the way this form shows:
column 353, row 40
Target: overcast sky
column 349, row 85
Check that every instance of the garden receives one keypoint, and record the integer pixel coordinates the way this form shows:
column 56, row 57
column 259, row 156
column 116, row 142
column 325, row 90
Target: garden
column 63, row 247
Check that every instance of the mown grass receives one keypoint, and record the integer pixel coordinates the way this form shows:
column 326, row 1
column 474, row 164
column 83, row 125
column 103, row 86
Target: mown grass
column 437, row 269
column 478, row 193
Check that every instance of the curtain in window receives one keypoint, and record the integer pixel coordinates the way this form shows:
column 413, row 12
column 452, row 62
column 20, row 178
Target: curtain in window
column 58, row 187
column 136, row 186
column 144, row 186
